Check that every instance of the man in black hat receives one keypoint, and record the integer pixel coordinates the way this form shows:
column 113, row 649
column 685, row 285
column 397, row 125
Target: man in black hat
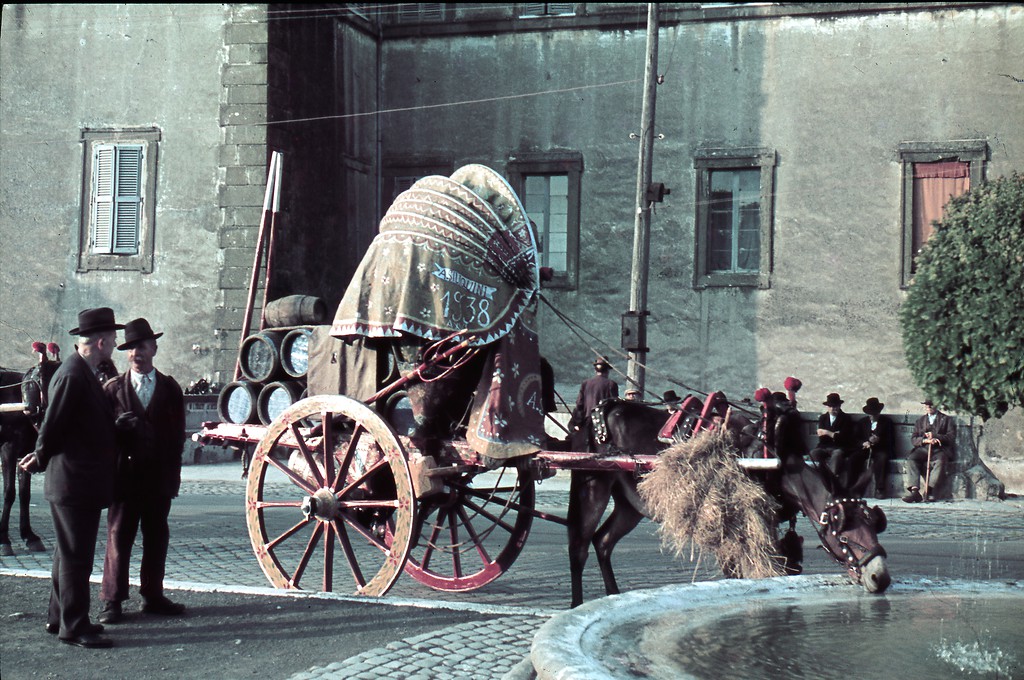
column 77, row 447
column 148, row 475
column 593, row 391
column 835, row 438
column 875, row 434
column 933, row 439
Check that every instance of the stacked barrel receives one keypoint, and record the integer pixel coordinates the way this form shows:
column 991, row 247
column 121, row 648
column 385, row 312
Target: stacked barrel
column 273, row 362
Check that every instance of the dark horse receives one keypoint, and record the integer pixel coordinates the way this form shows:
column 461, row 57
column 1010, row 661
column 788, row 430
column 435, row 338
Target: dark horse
column 17, row 438
column 846, row 527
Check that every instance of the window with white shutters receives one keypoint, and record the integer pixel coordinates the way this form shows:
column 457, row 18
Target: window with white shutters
column 118, row 196
column 117, row 201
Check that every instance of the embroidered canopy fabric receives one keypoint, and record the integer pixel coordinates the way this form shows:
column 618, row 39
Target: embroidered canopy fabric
column 452, row 254
column 457, row 254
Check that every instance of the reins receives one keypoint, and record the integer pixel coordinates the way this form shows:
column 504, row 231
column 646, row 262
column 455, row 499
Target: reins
column 577, row 329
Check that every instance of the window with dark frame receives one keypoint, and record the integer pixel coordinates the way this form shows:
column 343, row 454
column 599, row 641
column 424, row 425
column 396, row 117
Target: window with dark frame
column 401, row 173
column 118, row 200
column 541, row 9
column 735, row 190
column 933, row 173
column 549, row 186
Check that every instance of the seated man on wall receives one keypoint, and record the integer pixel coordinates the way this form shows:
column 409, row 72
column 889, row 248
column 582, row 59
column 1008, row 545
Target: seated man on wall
column 835, row 439
column 934, row 442
column 875, row 434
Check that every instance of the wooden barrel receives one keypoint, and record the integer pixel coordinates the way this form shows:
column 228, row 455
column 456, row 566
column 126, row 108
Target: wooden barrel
column 275, row 397
column 260, row 357
column 295, row 310
column 237, row 402
column 295, row 352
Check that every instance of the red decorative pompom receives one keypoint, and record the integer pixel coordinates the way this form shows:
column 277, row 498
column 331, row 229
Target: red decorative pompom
column 38, row 347
column 793, row 384
column 53, row 348
column 762, row 394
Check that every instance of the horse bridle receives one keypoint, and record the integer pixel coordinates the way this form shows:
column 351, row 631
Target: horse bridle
column 832, row 520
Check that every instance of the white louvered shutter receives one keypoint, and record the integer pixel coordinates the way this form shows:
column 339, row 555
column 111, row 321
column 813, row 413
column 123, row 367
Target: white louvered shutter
column 128, row 200
column 103, row 199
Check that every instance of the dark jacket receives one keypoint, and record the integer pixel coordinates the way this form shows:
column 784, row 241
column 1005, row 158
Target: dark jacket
column 883, row 434
column 77, row 444
column 944, row 430
column 150, row 454
column 592, row 392
column 843, row 426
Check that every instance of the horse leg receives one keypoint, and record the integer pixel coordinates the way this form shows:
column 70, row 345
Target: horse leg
column 32, row 541
column 623, row 520
column 588, row 497
column 8, row 460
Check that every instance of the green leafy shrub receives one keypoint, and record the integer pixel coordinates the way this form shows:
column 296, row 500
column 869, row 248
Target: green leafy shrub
column 963, row 319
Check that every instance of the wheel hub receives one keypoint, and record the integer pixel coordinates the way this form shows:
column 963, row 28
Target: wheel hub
column 323, row 506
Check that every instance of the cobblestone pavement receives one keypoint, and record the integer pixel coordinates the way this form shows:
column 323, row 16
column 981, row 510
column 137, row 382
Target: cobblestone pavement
column 221, row 558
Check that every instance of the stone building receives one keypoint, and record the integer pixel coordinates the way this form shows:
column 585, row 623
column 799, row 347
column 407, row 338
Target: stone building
column 800, row 143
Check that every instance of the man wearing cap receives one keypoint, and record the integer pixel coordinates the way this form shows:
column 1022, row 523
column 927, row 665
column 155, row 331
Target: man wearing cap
column 151, row 406
column 934, row 438
column 835, row 438
column 77, row 447
column 593, row 391
column 875, row 434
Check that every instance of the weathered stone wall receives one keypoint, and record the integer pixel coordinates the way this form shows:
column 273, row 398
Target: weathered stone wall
column 65, row 68
column 832, row 96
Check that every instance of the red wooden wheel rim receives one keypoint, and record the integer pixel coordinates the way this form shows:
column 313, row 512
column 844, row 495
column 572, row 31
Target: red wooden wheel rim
column 473, row 532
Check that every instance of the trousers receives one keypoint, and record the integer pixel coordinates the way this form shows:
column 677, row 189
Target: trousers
column 124, row 518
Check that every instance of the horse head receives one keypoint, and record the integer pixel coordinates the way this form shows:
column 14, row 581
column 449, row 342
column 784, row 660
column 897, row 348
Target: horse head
column 35, row 389
column 847, row 527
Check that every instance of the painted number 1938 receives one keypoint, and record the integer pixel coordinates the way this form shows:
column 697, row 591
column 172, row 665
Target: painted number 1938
column 462, row 309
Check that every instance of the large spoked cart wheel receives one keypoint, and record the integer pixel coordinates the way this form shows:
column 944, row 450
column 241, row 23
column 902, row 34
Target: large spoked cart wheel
column 472, row 530
column 330, row 490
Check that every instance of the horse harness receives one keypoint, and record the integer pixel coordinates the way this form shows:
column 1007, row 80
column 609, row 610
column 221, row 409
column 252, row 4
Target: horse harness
column 836, row 516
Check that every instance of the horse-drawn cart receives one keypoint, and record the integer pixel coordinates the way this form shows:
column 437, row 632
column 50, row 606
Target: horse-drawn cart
column 421, row 446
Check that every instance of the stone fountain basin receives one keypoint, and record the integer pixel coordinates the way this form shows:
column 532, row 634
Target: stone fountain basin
column 665, row 632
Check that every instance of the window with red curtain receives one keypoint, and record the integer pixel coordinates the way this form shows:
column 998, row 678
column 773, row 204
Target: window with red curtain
column 934, row 184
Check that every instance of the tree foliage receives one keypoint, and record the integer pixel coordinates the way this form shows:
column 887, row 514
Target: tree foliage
column 963, row 319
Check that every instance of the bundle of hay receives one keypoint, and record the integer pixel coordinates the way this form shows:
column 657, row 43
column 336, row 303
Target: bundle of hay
column 700, row 497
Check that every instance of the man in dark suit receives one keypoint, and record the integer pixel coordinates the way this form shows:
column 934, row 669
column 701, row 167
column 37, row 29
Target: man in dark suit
column 593, row 391
column 875, row 434
column 148, row 475
column 835, row 438
column 77, row 448
column 934, row 438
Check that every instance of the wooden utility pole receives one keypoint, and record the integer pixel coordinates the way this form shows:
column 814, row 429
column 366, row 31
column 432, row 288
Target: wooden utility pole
column 636, row 318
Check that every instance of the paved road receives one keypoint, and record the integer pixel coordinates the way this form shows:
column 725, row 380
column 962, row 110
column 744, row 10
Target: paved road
column 486, row 633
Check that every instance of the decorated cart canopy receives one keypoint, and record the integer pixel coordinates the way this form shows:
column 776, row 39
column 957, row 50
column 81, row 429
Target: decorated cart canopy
column 457, row 255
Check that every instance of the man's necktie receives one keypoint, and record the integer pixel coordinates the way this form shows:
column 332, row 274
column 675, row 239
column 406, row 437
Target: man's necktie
column 145, row 390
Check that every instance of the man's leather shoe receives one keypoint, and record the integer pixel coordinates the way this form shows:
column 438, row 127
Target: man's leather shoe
column 111, row 613
column 913, row 497
column 163, row 607
column 90, row 640
column 54, row 628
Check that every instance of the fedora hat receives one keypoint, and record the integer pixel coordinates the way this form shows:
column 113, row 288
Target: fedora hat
column 135, row 332
column 928, row 402
column 671, row 397
column 873, row 406
column 98, row 320
column 833, row 400
column 601, row 361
